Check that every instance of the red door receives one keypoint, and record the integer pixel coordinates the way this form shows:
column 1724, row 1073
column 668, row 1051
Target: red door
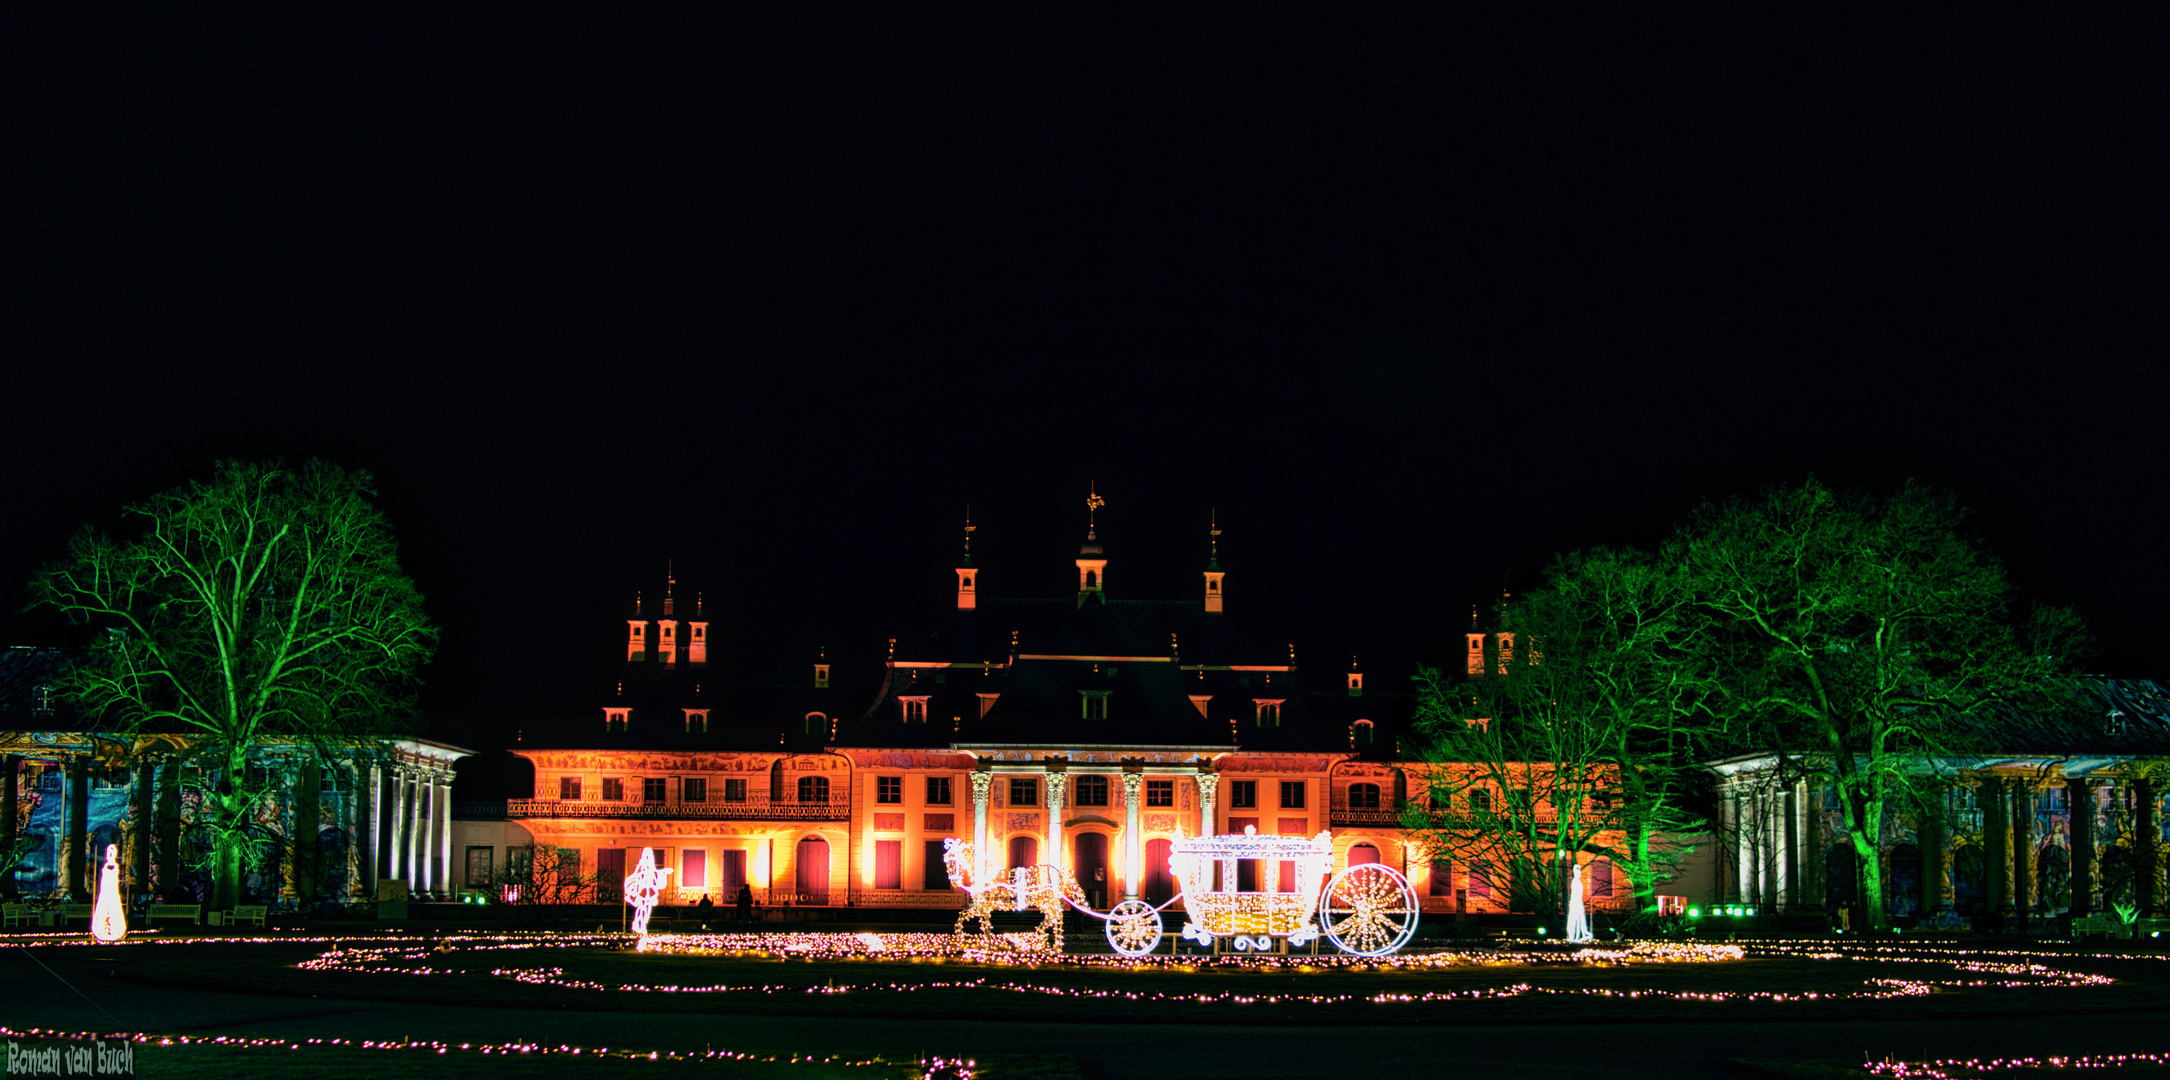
column 1159, row 883
column 1024, row 851
column 813, row 871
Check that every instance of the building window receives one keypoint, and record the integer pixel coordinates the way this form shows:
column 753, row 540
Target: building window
column 1363, row 796
column 1160, row 793
column 696, row 721
column 519, row 861
column 652, row 789
column 817, row 724
column 1096, row 704
column 814, row 789
column 335, row 779
column 696, row 791
column 569, row 788
column 1362, row 732
column 1442, row 878
column 915, row 710
column 1243, row 795
column 1292, row 794
column 1269, row 713
column 693, row 868
column 478, row 866
column 1024, row 792
column 1092, row 791
column 938, row 793
column 614, row 719
column 613, row 789
column 888, row 789
column 734, row 791
column 1480, row 882
column 1480, row 801
column 1601, row 879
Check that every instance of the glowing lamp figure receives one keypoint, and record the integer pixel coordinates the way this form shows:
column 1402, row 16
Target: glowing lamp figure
column 108, row 919
column 643, row 886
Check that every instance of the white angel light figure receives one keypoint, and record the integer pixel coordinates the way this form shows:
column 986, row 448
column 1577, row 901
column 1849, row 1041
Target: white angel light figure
column 643, row 886
column 1578, row 924
column 108, row 918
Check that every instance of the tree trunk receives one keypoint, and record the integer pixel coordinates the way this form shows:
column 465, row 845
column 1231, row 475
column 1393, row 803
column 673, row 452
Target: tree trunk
column 1870, row 865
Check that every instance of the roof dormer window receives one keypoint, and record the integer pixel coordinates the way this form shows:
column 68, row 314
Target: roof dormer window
column 1269, row 711
column 1095, row 704
column 615, row 719
column 915, row 710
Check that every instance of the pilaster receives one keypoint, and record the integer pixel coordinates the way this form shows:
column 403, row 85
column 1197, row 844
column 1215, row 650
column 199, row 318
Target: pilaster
column 1057, row 790
column 982, row 863
column 1133, row 839
column 1208, row 784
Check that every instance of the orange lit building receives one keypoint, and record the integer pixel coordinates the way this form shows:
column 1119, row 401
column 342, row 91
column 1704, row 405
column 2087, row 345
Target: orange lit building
column 1085, row 731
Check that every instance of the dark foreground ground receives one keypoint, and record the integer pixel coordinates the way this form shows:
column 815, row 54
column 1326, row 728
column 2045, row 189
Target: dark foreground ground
column 143, row 989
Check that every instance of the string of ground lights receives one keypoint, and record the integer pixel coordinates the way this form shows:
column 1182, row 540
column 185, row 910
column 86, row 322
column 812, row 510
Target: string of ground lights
column 1969, row 1068
column 413, row 960
column 928, row 1068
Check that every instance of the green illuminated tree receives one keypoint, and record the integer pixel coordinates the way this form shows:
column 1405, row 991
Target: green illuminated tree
column 266, row 606
column 1862, row 638
column 1597, row 717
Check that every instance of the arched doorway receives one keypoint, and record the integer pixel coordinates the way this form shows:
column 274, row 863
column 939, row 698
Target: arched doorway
column 1363, row 854
column 1902, row 881
column 331, row 863
column 1159, row 886
column 813, row 871
column 1089, row 861
column 1969, row 881
column 1841, row 885
column 1024, row 851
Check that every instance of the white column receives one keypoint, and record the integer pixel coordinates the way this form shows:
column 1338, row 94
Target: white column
column 1133, row 840
column 983, row 862
column 1208, row 783
column 395, row 794
column 375, row 840
column 411, row 790
column 445, row 873
column 1057, row 788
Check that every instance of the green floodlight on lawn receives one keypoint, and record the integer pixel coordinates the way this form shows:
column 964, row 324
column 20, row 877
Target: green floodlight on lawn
column 1695, row 913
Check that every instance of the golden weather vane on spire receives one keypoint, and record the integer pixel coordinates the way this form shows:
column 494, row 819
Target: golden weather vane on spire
column 1093, row 503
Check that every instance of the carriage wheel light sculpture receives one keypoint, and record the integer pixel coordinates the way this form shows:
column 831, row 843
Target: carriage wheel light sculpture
column 1369, row 910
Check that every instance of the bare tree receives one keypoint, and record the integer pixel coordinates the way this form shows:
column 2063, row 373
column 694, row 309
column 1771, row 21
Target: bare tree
column 1860, row 636
column 266, row 605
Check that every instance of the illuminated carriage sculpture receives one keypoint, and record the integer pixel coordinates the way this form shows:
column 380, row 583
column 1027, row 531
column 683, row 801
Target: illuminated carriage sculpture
column 1366, row 910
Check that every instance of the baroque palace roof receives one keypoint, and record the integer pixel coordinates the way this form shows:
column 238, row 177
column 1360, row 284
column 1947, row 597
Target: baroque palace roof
column 1084, row 670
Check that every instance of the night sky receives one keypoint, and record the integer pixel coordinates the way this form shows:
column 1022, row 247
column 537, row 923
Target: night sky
column 1413, row 303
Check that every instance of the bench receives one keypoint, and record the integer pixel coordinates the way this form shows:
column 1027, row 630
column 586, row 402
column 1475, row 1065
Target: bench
column 18, row 915
column 251, row 913
column 70, row 912
column 191, row 912
column 2083, row 925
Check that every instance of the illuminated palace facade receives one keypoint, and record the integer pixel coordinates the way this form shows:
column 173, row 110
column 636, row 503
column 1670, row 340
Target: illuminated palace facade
column 1084, row 731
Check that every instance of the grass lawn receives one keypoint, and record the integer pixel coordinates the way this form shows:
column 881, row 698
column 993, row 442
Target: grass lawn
column 597, row 977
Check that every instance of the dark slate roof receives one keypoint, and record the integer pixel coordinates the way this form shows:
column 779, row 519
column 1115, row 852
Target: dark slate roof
column 23, row 670
column 742, row 716
column 1097, row 628
column 2142, row 730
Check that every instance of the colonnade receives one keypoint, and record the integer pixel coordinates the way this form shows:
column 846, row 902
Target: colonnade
column 1054, row 780
column 1776, row 841
column 413, row 825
